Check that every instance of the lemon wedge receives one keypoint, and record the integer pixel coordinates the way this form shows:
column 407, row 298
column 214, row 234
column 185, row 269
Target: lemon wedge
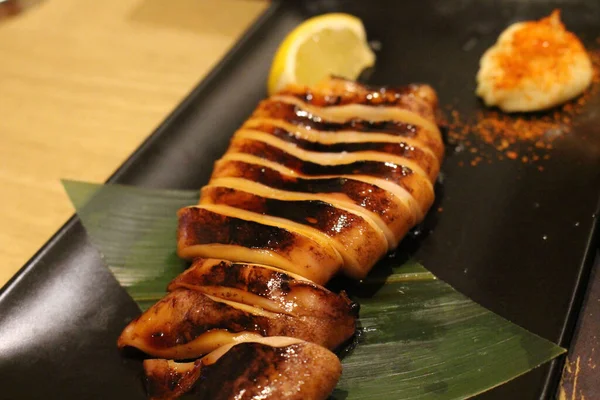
column 329, row 44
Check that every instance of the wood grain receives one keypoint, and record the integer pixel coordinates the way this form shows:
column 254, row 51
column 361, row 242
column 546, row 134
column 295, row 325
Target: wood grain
column 82, row 84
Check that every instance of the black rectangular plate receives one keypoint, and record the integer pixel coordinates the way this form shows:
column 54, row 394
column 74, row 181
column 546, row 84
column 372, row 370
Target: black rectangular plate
column 61, row 314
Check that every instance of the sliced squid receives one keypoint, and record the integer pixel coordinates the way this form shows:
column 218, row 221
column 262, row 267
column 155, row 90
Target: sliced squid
column 224, row 233
column 268, row 288
column 358, row 240
column 317, row 181
column 336, row 144
column 339, row 91
column 268, row 368
column 398, row 205
column 421, row 161
column 344, row 113
column 313, row 128
column 412, row 189
column 196, row 318
column 364, row 209
column 417, row 184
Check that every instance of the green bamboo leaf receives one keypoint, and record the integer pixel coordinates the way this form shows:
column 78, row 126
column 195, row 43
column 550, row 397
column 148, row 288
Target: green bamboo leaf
column 135, row 231
column 421, row 339
column 418, row 338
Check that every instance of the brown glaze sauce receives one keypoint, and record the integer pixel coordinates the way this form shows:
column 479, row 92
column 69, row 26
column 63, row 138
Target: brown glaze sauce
column 380, row 169
column 371, row 197
column 256, row 280
column 381, row 98
column 243, row 369
column 296, row 116
column 323, row 216
column 164, row 381
column 201, row 226
column 203, row 316
column 263, row 282
column 401, row 149
column 371, row 96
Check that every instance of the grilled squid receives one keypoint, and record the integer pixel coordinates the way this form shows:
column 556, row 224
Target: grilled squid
column 266, row 368
column 317, row 182
column 320, row 181
column 218, row 302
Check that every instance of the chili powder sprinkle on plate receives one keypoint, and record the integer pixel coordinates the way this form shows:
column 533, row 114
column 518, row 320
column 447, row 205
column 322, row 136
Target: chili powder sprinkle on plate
column 492, row 134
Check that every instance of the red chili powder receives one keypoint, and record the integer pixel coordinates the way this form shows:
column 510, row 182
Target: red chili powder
column 517, row 136
column 548, row 42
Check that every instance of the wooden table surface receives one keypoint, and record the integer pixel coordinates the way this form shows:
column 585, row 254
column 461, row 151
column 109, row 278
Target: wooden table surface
column 82, row 84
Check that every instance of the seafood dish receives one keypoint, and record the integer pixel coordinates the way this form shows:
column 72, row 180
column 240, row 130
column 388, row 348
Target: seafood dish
column 319, row 181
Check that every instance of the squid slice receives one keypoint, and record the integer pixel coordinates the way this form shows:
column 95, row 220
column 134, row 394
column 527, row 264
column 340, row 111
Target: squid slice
column 410, row 188
column 337, row 91
column 420, row 161
column 413, row 195
column 269, row 368
column 338, row 143
column 395, row 210
column 149, row 337
column 339, row 200
column 269, row 288
column 385, row 170
column 221, row 233
column 345, row 113
column 313, row 128
column 187, row 324
column 360, row 242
